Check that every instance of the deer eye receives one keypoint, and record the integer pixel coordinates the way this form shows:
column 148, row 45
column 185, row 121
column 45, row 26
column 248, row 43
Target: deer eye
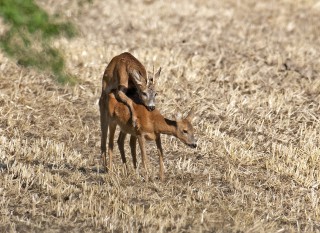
column 144, row 94
column 185, row 131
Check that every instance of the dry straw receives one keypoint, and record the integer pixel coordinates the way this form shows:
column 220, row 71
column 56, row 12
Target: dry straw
column 251, row 70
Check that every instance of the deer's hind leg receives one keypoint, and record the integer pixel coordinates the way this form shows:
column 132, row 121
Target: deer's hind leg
column 121, row 139
column 133, row 145
column 112, row 129
column 104, row 127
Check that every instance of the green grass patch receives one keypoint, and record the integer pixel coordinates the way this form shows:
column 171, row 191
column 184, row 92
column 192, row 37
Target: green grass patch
column 29, row 38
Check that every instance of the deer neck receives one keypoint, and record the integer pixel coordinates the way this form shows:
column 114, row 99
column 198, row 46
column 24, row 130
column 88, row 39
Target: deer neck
column 166, row 126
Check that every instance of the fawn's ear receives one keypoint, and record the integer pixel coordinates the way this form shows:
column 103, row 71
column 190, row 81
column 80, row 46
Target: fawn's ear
column 190, row 115
column 178, row 116
column 137, row 77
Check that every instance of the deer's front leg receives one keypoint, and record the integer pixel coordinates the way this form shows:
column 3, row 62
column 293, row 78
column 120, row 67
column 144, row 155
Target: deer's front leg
column 122, row 90
column 160, row 153
column 142, row 141
column 127, row 101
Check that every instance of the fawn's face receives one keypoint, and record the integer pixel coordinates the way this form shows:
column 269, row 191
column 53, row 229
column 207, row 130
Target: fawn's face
column 147, row 91
column 185, row 130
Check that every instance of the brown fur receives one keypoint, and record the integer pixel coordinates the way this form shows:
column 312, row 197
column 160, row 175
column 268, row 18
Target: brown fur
column 152, row 124
column 125, row 74
column 120, row 72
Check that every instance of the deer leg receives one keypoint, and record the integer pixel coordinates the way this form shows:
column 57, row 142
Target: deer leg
column 160, row 153
column 112, row 129
column 133, row 143
column 104, row 128
column 122, row 97
column 122, row 137
column 142, row 143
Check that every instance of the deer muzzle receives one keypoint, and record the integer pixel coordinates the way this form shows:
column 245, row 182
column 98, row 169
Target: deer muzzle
column 151, row 108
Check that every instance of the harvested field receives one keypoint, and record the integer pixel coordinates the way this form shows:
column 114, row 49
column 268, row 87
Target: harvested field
column 251, row 70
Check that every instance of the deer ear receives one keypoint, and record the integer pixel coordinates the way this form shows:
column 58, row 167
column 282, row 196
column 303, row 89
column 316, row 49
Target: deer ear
column 190, row 115
column 136, row 76
column 178, row 116
column 157, row 75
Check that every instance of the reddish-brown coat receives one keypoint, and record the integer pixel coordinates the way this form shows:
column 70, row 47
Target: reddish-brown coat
column 152, row 124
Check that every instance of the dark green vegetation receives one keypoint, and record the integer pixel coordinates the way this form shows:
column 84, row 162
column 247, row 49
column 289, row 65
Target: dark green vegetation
column 29, row 37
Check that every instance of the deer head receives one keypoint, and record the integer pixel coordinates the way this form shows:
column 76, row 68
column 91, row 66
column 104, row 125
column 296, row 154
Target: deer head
column 185, row 130
column 147, row 91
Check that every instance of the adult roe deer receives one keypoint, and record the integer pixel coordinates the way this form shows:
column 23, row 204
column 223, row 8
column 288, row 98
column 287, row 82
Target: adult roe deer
column 125, row 74
column 152, row 125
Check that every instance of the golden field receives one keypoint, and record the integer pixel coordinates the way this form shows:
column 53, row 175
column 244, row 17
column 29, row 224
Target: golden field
column 251, row 70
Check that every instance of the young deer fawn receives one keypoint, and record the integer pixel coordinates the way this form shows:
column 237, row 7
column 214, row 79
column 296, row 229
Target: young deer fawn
column 125, row 74
column 152, row 124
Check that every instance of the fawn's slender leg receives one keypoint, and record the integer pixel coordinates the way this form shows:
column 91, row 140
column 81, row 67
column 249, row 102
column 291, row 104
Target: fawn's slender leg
column 133, row 143
column 112, row 129
column 104, row 127
column 122, row 137
column 160, row 153
column 142, row 145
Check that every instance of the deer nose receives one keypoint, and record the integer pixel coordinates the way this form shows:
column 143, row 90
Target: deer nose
column 151, row 108
column 193, row 145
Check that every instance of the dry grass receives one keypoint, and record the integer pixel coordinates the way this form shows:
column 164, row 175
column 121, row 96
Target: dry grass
column 250, row 68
